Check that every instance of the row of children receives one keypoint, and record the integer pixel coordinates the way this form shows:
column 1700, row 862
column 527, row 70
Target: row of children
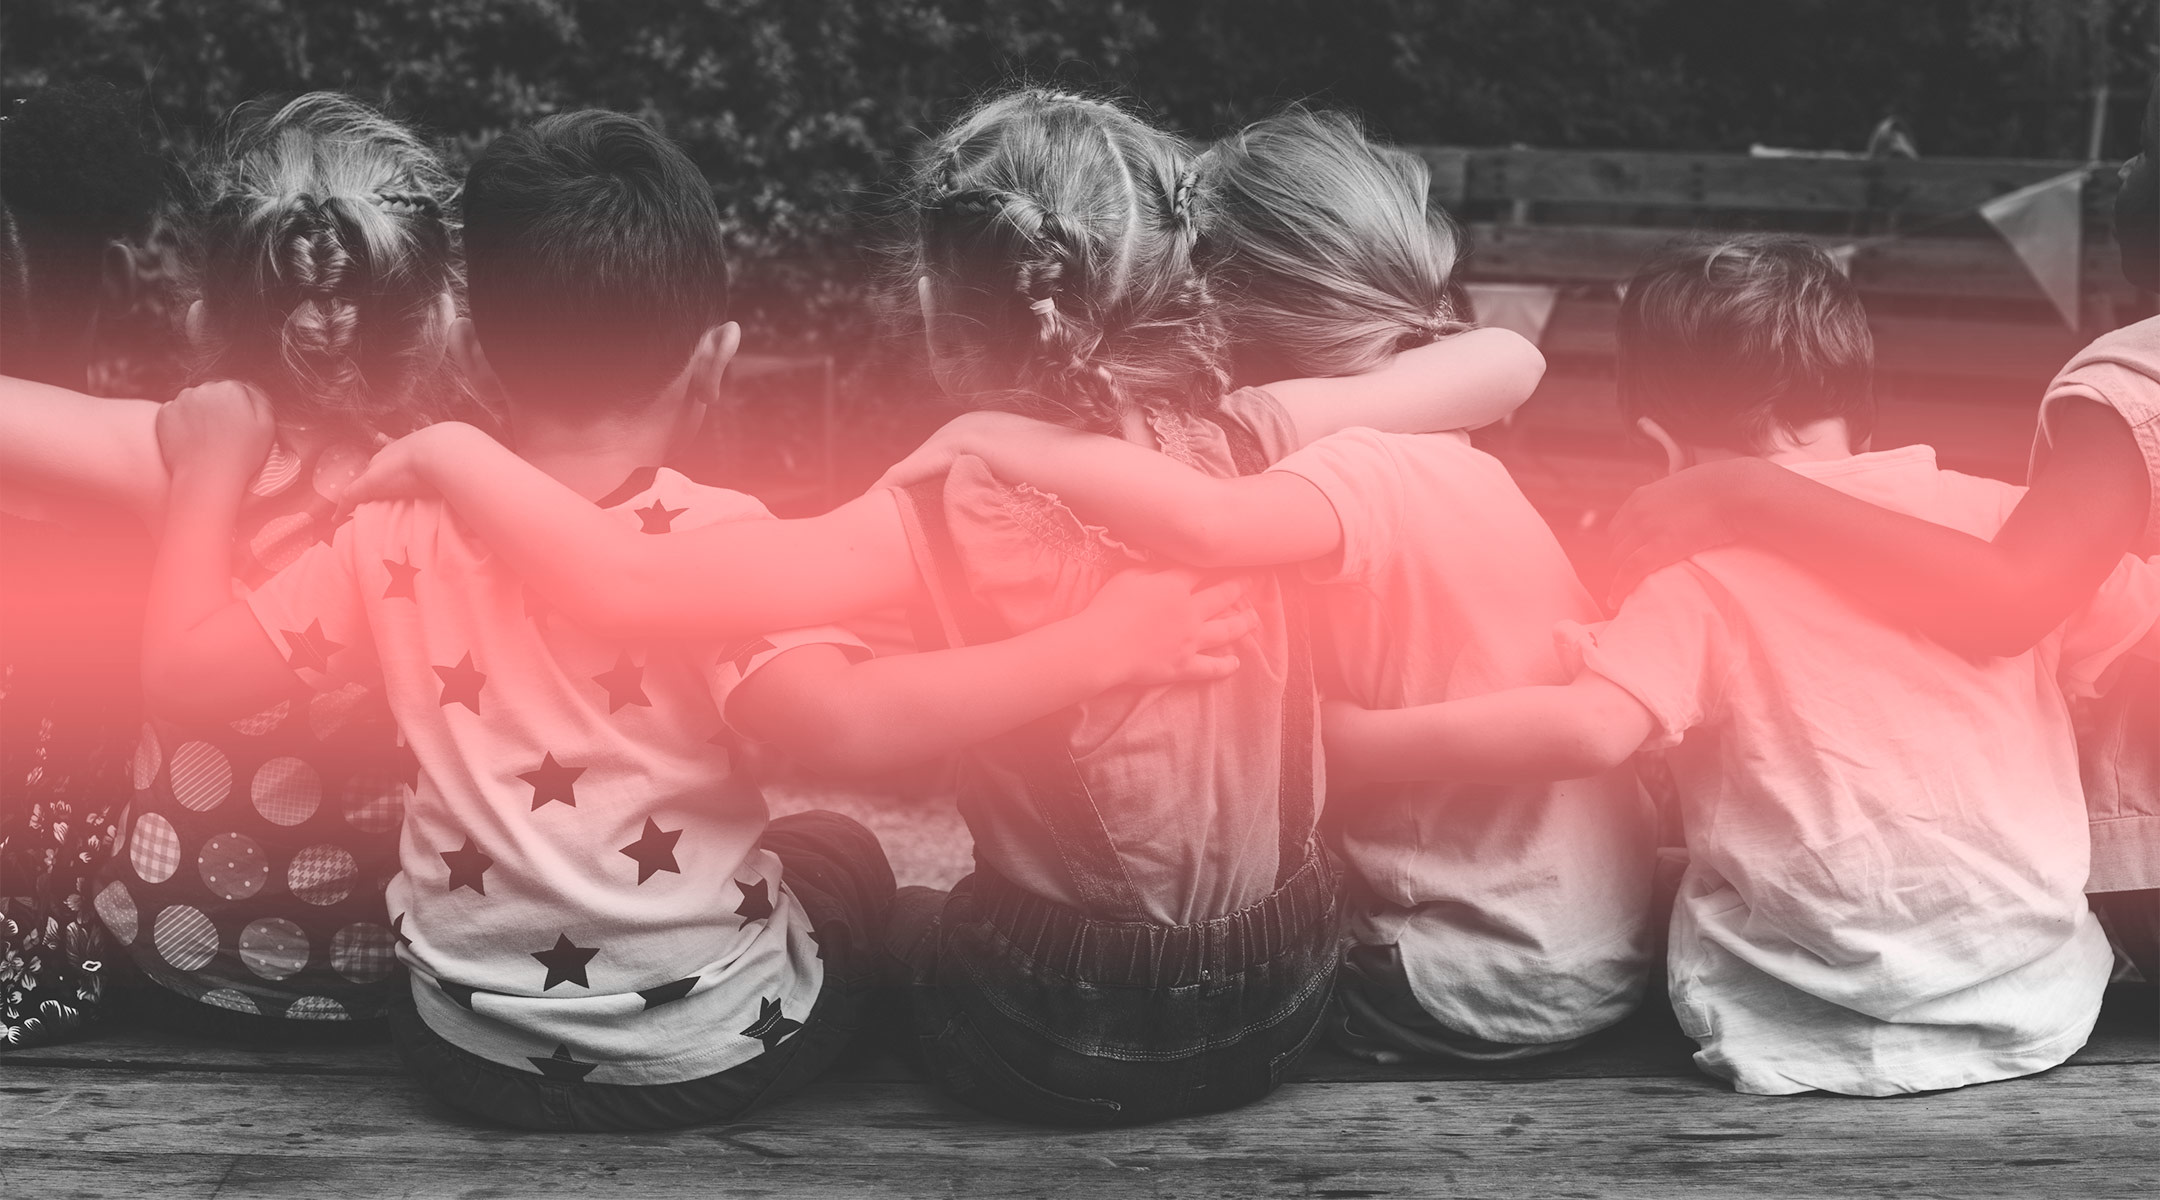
column 498, row 727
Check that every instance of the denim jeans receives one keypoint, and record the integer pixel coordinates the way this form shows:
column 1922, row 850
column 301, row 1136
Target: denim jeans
column 1029, row 1009
column 837, row 870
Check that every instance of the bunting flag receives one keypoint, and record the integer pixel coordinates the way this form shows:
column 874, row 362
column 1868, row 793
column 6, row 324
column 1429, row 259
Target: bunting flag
column 1525, row 308
column 2044, row 224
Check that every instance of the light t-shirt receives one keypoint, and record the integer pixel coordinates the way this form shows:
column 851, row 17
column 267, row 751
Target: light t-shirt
column 1185, row 778
column 581, row 894
column 1522, row 912
column 1887, row 839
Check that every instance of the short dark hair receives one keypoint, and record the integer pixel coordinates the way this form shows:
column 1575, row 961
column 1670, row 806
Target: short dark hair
column 594, row 258
column 1723, row 342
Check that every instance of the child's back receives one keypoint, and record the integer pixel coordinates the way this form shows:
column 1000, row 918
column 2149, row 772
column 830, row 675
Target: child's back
column 1887, row 839
column 582, row 888
column 1519, row 913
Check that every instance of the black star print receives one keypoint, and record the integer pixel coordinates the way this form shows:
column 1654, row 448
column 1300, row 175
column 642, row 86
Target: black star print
column 654, row 850
column 658, row 517
column 561, row 1066
column 565, row 962
column 625, row 683
column 772, row 1026
column 668, row 993
column 310, row 649
column 397, row 927
column 405, row 766
column 461, row 684
column 401, row 578
column 461, row 993
column 551, row 781
column 467, row 865
column 755, row 906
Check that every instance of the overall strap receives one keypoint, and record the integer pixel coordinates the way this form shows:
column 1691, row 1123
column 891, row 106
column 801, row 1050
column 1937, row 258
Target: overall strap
column 1056, row 789
column 1295, row 807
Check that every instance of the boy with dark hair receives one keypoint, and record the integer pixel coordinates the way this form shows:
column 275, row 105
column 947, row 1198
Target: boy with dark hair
column 1886, row 839
column 603, row 931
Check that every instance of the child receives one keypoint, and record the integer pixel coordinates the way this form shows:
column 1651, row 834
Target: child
column 1494, row 922
column 602, row 931
column 1150, row 930
column 1886, row 838
column 248, row 891
column 2095, row 493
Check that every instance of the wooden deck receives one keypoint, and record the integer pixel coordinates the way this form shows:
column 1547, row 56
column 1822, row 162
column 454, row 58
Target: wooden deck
column 129, row 1114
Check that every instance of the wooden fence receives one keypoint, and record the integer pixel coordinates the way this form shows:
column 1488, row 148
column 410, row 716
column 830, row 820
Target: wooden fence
column 1965, row 339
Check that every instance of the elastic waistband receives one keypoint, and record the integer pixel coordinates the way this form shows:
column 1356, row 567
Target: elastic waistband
column 1065, row 940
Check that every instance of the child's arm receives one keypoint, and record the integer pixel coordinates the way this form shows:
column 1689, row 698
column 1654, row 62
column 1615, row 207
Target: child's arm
column 858, row 718
column 1530, row 734
column 204, row 655
column 58, row 441
column 1147, row 498
column 734, row 579
column 2083, row 510
column 1458, row 382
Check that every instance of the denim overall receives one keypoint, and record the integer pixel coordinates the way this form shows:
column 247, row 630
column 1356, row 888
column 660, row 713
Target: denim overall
column 1032, row 1009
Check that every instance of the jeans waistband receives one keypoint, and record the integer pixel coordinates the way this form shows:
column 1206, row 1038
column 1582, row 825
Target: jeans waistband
column 1065, row 940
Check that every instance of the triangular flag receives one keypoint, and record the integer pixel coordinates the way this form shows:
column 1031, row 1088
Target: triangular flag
column 1525, row 308
column 2044, row 224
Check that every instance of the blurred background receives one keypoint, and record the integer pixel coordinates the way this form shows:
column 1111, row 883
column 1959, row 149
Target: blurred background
column 1570, row 136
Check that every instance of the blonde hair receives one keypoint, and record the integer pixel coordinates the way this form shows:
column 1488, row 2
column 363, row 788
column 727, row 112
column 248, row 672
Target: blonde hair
column 1325, row 251
column 1056, row 231
column 326, row 247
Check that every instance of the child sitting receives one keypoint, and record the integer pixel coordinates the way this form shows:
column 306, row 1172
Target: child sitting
column 1491, row 922
column 1886, row 839
column 602, row 931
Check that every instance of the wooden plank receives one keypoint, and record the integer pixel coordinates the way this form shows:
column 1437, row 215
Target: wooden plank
column 1930, row 266
column 2074, row 1131
column 1733, row 181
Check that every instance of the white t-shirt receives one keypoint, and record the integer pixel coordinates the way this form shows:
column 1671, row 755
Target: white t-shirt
column 1887, row 839
column 1522, row 912
column 581, row 892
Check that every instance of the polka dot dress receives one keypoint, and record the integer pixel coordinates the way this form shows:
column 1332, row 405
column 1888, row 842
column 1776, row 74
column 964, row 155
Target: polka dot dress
column 251, row 865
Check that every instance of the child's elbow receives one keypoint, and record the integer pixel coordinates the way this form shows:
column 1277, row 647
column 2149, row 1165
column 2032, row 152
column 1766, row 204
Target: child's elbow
column 1525, row 366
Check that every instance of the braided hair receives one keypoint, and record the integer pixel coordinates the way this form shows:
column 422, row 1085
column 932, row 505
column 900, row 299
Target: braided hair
column 1055, row 231
column 326, row 249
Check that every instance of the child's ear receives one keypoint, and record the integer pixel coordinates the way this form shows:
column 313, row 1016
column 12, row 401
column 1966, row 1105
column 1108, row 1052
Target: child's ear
column 120, row 274
column 471, row 362
column 1676, row 458
column 709, row 363
column 197, row 325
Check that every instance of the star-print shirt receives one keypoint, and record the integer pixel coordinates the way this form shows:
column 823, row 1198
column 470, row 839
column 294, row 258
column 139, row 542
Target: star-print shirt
column 581, row 891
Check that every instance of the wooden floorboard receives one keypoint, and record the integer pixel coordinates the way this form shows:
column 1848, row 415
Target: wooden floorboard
column 135, row 1113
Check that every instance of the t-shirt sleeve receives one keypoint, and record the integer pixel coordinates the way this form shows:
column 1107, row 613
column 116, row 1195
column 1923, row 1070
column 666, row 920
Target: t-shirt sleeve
column 1668, row 647
column 315, row 614
column 2120, row 619
column 1362, row 479
column 738, row 662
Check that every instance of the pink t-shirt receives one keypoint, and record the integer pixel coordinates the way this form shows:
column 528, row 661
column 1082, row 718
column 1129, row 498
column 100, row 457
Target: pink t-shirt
column 1522, row 912
column 581, row 894
column 1887, row 840
column 1185, row 778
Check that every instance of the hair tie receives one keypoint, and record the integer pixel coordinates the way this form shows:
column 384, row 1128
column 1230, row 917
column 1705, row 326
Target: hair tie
column 1181, row 198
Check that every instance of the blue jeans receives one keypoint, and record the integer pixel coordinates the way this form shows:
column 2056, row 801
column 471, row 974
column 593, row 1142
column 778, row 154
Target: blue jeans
column 1030, row 1009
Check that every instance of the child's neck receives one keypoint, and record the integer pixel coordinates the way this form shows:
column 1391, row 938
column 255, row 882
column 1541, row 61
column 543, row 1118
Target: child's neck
column 1822, row 441
column 592, row 456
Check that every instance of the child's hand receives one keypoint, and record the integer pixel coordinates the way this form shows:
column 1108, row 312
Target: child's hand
column 216, row 435
column 1680, row 515
column 402, row 469
column 1166, row 626
column 967, row 433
